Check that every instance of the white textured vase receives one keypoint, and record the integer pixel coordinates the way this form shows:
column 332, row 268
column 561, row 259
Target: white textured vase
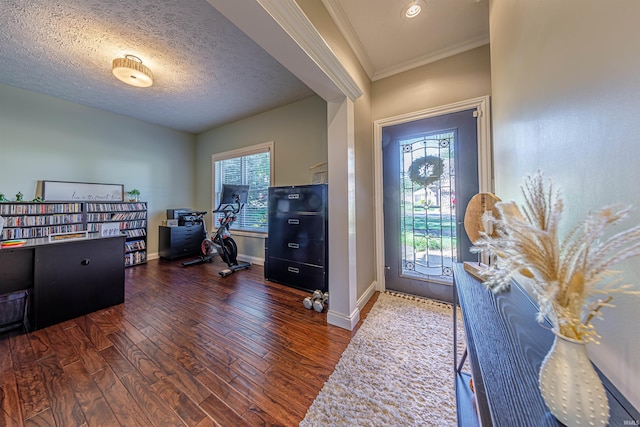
column 570, row 386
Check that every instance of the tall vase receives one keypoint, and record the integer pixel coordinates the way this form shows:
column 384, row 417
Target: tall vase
column 571, row 387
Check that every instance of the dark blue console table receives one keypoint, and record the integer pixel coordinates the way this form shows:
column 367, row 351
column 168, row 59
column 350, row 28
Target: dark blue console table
column 506, row 346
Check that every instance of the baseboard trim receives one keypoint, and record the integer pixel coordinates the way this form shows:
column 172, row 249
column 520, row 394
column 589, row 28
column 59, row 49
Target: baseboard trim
column 342, row 321
column 350, row 322
column 251, row 259
column 241, row 257
column 366, row 296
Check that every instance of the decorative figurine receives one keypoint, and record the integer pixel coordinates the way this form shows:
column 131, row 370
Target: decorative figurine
column 19, row 197
column 3, row 199
column 38, row 199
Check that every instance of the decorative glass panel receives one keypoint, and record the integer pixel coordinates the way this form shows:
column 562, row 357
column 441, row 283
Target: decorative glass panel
column 427, row 207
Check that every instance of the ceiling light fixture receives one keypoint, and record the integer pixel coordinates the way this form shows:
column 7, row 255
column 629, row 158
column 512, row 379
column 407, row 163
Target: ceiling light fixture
column 130, row 70
column 413, row 9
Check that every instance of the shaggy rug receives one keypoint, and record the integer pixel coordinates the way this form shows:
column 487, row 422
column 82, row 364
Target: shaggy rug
column 396, row 371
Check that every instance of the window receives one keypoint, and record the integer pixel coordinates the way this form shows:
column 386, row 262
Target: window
column 249, row 166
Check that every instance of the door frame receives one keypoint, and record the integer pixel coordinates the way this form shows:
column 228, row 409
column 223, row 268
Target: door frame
column 485, row 161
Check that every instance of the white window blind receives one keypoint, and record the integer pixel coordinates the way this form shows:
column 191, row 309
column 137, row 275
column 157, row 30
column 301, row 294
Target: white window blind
column 250, row 166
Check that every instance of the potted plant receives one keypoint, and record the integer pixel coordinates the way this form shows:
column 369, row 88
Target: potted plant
column 134, row 195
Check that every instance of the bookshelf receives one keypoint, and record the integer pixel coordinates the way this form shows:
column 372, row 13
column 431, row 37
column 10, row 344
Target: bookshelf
column 32, row 220
column 132, row 218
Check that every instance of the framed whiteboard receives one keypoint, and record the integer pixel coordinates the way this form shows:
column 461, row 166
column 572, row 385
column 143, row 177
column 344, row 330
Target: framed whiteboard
column 63, row 191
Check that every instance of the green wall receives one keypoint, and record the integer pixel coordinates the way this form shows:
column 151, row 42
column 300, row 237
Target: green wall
column 299, row 134
column 45, row 138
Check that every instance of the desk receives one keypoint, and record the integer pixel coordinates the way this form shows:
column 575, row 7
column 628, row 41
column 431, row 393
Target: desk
column 68, row 278
column 506, row 346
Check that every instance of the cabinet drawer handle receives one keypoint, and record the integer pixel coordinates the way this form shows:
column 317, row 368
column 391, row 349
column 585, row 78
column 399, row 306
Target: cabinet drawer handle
column 293, row 270
column 294, row 221
column 85, row 261
column 293, row 245
column 294, row 196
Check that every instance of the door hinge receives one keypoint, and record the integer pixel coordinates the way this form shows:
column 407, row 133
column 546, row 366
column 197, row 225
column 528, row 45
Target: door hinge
column 477, row 113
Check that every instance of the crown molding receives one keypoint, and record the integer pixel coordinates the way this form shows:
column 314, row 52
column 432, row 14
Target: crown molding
column 295, row 23
column 344, row 25
column 432, row 57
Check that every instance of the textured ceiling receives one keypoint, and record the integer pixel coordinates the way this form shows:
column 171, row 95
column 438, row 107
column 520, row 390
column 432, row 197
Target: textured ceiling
column 206, row 71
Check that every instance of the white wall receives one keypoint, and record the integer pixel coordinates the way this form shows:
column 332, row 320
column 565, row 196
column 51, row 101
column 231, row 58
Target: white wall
column 362, row 151
column 299, row 135
column 566, row 96
column 45, row 138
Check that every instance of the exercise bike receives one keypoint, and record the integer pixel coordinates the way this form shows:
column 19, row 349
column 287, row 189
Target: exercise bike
column 232, row 201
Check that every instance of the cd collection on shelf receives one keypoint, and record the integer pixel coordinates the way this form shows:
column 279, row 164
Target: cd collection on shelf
column 40, row 220
column 30, row 220
column 38, row 232
column 33, row 208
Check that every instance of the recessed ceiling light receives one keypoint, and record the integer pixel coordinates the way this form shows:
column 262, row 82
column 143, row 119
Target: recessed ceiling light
column 413, row 9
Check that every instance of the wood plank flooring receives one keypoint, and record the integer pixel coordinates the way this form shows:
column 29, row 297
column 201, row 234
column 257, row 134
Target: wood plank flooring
column 187, row 348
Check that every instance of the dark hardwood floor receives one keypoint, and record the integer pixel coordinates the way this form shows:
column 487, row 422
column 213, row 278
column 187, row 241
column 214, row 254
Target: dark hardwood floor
column 186, row 348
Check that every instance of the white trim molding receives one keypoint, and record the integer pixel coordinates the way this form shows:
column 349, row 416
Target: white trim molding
column 345, row 27
column 485, row 161
column 340, row 320
column 432, row 57
column 251, row 259
column 293, row 20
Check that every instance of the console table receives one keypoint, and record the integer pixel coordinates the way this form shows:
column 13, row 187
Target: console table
column 506, row 346
column 66, row 279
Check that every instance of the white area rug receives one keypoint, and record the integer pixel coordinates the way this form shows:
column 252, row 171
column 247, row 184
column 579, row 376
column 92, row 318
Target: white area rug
column 396, row 371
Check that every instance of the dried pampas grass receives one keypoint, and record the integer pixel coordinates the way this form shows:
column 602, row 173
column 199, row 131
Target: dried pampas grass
column 571, row 278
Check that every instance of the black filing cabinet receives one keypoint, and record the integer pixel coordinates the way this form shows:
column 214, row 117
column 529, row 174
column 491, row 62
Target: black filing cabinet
column 180, row 241
column 296, row 250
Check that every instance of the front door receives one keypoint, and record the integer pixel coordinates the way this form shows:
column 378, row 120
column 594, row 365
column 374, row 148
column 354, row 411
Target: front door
column 430, row 172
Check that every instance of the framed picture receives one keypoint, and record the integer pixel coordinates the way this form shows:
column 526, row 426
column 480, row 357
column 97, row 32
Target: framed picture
column 63, row 191
column 109, row 229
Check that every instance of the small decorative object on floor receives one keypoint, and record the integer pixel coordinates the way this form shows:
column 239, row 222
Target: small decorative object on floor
column 317, row 301
column 566, row 277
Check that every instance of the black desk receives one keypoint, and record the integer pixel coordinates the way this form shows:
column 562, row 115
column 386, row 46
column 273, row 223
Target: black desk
column 506, row 346
column 67, row 278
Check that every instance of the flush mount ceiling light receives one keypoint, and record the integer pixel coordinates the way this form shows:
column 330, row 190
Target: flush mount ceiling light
column 131, row 71
column 413, row 9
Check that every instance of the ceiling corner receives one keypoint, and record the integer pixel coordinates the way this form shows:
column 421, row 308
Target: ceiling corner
column 343, row 24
